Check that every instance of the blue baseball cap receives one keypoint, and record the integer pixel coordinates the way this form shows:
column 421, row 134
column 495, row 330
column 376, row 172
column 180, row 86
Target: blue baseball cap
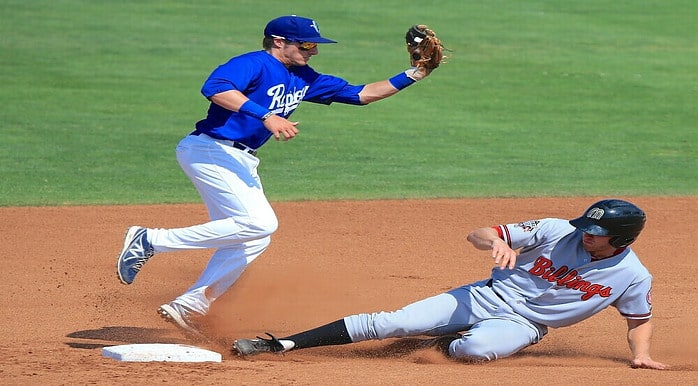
column 296, row 29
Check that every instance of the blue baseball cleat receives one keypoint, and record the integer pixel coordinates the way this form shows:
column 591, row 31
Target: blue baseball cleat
column 137, row 250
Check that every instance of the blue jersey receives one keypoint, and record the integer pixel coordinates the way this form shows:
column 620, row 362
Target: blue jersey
column 555, row 282
column 267, row 82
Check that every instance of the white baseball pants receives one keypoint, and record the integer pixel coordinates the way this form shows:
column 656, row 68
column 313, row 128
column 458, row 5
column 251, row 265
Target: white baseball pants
column 492, row 329
column 242, row 219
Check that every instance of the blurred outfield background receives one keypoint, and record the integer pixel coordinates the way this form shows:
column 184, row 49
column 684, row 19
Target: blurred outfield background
column 539, row 98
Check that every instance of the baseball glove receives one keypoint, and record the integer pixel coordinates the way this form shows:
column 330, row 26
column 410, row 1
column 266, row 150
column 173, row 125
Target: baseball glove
column 424, row 47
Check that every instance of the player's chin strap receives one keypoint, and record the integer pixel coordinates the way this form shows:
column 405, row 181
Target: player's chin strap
column 620, row 241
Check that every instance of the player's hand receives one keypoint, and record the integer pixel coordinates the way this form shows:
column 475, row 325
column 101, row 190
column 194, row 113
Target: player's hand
column 647, row 363
column 503, row 255
column 418, row 73
column 281, row 127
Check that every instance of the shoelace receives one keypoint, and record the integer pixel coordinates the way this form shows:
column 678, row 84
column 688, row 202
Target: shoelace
column 142, row 260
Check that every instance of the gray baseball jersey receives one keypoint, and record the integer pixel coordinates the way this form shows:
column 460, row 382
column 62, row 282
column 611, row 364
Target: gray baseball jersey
column 556, row 284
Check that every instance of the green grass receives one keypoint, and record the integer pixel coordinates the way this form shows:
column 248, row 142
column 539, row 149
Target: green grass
column 539, row 98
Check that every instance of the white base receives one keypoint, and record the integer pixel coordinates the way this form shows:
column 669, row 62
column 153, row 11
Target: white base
column 160, row 352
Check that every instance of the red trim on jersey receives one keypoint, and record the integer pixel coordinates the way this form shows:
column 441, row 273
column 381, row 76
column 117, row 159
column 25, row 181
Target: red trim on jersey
column 503, row 233
column 619, row 251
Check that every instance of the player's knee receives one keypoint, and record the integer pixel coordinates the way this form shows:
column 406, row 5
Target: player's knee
column 263, row 226
column 270, row 225
column 472, row 348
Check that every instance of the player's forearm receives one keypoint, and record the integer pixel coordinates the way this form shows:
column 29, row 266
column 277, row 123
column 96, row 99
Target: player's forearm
column 487, row 239
column 639, row 336
column 483, row 238
column 376, row 91
column 231, row 100
column 382, row 89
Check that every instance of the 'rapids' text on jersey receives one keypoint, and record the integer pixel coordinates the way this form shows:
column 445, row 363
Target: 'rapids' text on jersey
column 285, row 101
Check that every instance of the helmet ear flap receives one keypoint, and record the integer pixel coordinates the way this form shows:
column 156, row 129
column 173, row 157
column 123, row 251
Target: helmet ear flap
column 620, row 241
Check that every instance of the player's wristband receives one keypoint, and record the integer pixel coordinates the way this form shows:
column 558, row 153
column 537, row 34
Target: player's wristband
column 401, row 80
column 254, row 110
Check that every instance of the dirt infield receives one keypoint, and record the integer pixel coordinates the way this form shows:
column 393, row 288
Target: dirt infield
column 62, row 302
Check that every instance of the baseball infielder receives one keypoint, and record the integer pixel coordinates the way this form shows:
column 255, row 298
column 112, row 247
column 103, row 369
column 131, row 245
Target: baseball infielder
column 565, row 272
column 252, row 97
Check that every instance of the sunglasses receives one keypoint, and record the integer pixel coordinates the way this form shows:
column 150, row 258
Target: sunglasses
column 306, row 46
